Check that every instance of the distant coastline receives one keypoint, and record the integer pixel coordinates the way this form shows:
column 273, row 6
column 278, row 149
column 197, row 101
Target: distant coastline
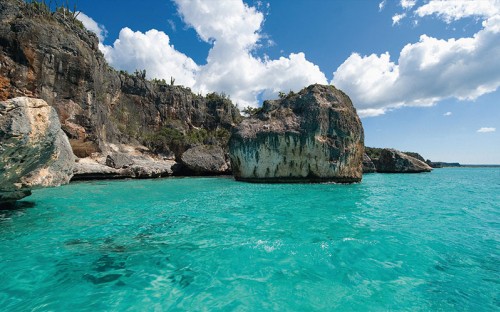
column 457, row 165
column 480, row 166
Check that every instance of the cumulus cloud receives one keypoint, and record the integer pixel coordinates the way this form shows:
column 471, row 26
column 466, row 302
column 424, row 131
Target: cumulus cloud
column 451, row 11
column 486, row 129
column 426, row 71
column 447, row 114
column 93, row 26
column 234, row 29
column 408, row 4
column 151, row 51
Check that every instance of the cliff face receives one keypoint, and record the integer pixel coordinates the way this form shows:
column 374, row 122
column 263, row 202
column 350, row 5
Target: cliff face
column 314, row 135
column 50, row 56
column 34, row 151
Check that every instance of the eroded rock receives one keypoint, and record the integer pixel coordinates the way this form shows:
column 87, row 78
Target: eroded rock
column 313, row 136
column 34, row 151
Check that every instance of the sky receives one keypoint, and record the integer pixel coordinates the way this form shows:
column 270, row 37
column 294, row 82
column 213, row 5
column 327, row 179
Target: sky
column 424, row 75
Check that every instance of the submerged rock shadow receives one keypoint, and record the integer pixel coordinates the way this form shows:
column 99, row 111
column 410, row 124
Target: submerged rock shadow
column 9, row 210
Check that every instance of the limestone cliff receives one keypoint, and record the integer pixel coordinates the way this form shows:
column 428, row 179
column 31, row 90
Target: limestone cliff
column 314, row 135
column 49, row 55
column 34, row 151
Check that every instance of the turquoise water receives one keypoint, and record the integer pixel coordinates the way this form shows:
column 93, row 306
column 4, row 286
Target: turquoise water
column 394, row 242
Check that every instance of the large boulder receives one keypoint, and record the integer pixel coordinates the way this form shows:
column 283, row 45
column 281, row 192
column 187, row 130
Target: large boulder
column 312, row 136
column 34, row 151
column 393, row 161
column 205, row 160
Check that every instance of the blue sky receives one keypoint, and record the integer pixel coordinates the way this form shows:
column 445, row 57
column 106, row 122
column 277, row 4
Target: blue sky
column 424, row 75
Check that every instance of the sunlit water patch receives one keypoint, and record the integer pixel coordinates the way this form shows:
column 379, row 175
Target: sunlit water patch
column 393, row 242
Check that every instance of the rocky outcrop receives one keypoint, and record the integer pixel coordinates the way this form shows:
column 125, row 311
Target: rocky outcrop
column 441, row 164
column 311, row 136
column 205, row 160
column 123, row 162
column 393, row 161
column 51, row 56
column 415, row 155
column 368, row 165
column 34, row 151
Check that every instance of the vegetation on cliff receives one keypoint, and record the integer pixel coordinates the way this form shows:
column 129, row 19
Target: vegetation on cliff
column 50, row 55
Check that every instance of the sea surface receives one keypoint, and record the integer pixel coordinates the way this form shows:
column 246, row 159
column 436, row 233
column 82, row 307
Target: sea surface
column 414, row 242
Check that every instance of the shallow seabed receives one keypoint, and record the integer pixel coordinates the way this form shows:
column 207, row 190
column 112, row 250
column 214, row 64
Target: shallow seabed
column 414, row 242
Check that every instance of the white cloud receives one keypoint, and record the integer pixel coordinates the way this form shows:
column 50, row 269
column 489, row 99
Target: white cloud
column 426, row 72
column 486, row 129
column 93, row 26
column 151, row 51
column 234, row 29
column 381, row 5
column 397, row 18
column 454, row 10
column 172, row 25
column 229, row 21
column 408, row 4
column 447, row 114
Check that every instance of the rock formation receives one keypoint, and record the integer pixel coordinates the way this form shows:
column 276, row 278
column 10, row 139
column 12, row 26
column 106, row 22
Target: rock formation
column 205, row 160
column 50, row 55
column 121, row 125
column 415, row 155
column 34, row 151
column 140, row 167
column 393, row 161
column 441, row 164
column 312, row 136
column 368, row 165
